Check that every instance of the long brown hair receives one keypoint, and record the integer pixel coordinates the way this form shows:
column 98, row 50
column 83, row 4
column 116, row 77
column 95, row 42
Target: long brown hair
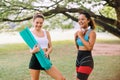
column 88, row 16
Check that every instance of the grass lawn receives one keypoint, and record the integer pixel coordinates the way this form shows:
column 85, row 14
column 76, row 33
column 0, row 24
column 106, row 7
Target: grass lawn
column 14, row 61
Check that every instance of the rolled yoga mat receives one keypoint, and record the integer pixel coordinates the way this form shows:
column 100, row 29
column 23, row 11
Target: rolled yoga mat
column 31, row 42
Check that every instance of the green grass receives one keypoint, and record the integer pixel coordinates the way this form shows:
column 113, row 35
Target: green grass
column 106, row 68
column 14, row 61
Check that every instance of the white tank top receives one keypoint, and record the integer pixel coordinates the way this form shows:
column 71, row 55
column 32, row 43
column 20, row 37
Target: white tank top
column 42, row 41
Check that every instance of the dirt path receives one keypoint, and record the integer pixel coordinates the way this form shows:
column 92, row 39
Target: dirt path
column 106, row 49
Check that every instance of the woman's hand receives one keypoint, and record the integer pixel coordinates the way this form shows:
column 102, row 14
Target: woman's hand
column 46, row 54
column 80, row 34
column 35, row 49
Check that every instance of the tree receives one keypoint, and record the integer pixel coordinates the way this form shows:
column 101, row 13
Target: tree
column 21, row 10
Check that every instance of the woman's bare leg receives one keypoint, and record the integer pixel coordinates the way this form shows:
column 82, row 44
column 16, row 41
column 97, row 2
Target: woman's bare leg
column 34, row 74
column 55, row 73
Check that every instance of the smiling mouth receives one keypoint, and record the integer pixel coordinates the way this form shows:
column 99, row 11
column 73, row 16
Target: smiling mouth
column 38, row 26
column 81, row 23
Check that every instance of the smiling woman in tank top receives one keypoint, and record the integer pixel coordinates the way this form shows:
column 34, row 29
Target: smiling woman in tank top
column 84, row 39
column 44, row 41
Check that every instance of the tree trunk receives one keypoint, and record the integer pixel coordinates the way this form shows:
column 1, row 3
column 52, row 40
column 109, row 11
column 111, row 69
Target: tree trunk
column 117, row 9
column 108, row 28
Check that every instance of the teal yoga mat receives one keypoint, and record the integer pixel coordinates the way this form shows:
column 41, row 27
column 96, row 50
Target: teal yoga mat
column 31, row 42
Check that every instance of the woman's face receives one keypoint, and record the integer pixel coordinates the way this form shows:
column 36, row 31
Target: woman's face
column 38, row 22
column 83, row 21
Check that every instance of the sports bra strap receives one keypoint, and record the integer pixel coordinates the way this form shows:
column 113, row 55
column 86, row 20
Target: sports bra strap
column 88, row 32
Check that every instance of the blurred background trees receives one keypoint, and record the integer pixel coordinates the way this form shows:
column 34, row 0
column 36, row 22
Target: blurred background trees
column 63, row 14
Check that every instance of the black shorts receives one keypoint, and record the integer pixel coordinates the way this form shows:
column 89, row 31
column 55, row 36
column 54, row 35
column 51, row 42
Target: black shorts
column 34, row 64
column 84, row 64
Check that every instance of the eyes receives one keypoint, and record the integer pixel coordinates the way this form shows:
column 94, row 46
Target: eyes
column 82, row 18
column 38, row 21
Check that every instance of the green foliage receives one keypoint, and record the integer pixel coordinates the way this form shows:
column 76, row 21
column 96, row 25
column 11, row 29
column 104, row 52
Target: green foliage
column 24, row 9
column 20, row 28
column 22, row 25
column 15, row 9
column 109, row 12
column 69, row 26
column 99, row 29
column 59, row 21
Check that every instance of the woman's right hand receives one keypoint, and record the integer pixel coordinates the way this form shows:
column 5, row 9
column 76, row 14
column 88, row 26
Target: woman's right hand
column 35, row 49
column 80, row 33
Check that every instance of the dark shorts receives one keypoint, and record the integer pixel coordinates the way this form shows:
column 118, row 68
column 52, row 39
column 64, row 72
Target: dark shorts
column 34, row 64
column 84, row 64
